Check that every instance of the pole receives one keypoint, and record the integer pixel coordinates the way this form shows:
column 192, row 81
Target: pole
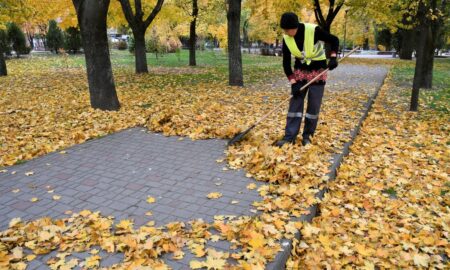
column 345, row 31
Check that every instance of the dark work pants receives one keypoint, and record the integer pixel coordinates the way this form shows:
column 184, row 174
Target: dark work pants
column 295, row 113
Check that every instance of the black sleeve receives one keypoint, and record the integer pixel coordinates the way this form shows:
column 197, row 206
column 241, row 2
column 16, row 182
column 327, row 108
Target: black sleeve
column 287, row 61
column 320, row 34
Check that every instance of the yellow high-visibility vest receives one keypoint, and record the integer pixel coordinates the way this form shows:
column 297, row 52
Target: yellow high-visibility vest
column 311, row 51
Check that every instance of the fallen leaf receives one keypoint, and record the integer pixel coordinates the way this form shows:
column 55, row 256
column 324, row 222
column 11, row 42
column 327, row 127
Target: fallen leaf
column 251, row 186
column 214, row 195
column 150, row 199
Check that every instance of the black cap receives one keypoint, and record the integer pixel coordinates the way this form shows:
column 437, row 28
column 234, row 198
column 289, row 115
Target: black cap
column 289, row 20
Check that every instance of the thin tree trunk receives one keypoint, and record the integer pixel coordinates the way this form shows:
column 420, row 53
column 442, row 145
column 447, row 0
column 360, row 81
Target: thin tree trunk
column 3, row 69
column 234, row 43
column 407, row 44
column 92, row 20
column 140, row 52
column 193, row 34
column 427, row 78
column 139, row 25
column 420, row 67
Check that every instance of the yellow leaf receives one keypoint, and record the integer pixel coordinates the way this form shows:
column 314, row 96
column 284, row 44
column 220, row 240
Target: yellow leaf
column 309, row 230
column 16, row 190
column 34, row 199
column 14, row 222
column 85, row 213
column 150, row 199
column 125, row 224
column 363, row 250
column 421, row 260
column 215, row 238
column 17, row 253
column 214, row 263
column 93, row 261
column 214, row 195
column 178, row 255
column 56, row 197
column 196, row 264
column 257, row 240
column 29, row 173
column 30, row 257
column 251, row 186
column 45, row 236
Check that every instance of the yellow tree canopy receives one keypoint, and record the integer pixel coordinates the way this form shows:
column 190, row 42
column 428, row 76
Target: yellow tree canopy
column 167, row 25
column 11, row 11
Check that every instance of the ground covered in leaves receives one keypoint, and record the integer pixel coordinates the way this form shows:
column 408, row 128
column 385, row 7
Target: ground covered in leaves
column 45, row 108
column 389, row 206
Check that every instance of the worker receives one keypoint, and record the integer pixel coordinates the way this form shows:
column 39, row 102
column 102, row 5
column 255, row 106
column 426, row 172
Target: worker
column 306, row 42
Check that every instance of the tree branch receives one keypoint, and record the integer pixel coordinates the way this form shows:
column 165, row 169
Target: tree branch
column 138, row 10
column 128, row 12
column 77, row 4
column 333, row 15
column 318, row 12
column 152, row 15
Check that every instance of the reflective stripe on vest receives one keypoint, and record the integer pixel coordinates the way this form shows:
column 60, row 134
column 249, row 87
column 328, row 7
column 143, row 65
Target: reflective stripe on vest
column 311, row 51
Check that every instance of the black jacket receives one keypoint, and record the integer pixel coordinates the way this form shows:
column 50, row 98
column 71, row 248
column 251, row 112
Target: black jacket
column 319, row 34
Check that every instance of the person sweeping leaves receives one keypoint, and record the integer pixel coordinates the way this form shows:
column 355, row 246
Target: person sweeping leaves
column 306, row 42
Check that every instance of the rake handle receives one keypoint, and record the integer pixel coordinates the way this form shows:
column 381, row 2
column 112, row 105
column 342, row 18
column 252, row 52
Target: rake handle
column 301, row 89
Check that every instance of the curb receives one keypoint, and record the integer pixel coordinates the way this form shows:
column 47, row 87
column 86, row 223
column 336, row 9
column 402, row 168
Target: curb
column 282, row 257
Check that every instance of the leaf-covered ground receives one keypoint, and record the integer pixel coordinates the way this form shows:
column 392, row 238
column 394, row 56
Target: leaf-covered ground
column 45, row 107
column 389, row 206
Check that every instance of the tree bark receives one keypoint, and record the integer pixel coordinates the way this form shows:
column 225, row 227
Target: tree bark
column 325, row 23
column 92, row 20
column 423, row 61
column 428, row 60
column 140, row 52
column 234, row 43
column 139, row 26
column 3, row 69
column 193, row 34
column 407, row 44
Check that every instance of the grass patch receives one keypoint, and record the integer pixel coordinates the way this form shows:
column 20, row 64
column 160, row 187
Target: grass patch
column 437, row 98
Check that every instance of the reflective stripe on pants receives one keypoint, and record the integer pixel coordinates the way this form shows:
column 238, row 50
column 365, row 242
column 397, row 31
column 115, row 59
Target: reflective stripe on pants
column 295, row 113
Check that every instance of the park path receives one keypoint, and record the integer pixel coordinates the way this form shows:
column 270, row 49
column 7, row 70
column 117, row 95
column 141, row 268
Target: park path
column 116, row 174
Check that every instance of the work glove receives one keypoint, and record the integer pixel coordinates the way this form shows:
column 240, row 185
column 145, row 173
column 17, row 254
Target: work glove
column 333, row 63
column 295, row 89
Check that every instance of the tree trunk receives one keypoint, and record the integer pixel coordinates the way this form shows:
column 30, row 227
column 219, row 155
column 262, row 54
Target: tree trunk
column 140, row 52
column 3, row 70
column 135, row 19
column 193, row 34
column 234, row 46
column 92, row 20
column 427, row 79
column 407, row 44
column 421, row 66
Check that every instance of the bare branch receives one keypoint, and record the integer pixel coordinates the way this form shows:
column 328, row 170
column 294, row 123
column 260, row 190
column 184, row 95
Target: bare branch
column 318, row 12
column 152, row 15
column 128, row 12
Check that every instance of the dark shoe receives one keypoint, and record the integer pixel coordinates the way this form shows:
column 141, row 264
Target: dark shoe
column 282, row 142
column 306, row 141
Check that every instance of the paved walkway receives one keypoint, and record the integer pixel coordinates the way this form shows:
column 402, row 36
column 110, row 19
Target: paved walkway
column 115, row 175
